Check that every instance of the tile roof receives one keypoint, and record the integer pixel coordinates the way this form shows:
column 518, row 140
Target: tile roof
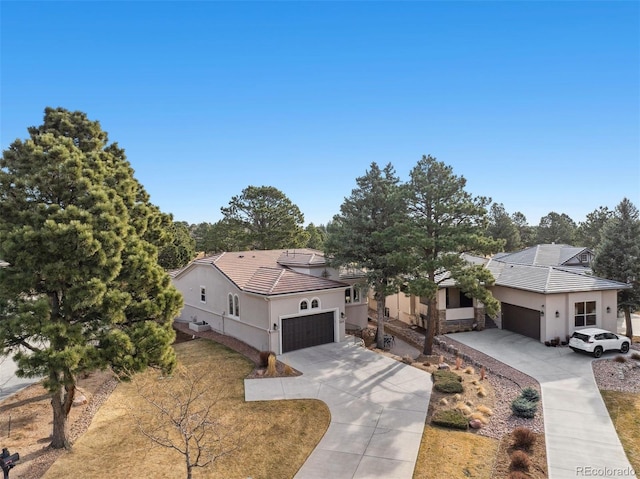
column 548, row 279
column 265, row 271
column 545, row 279
column 542, row 255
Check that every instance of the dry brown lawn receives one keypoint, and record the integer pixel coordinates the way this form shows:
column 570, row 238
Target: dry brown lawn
column 277, row 436
column 453, row 454
column 624, row 409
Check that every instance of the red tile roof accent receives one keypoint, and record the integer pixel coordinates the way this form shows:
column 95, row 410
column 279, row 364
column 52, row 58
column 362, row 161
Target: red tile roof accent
column 262, row 272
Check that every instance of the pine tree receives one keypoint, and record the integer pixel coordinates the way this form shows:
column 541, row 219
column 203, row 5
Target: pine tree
column 83, row 289
column 366, row 235
column 264, row 218
column 444, row 222
column 618, row 257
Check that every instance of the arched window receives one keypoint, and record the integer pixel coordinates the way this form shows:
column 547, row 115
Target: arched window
column 236, row 304
column 230, row 304
column 315, row 303
column 304, row 304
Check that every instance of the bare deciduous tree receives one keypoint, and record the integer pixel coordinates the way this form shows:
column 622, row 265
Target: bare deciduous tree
column 183, row 412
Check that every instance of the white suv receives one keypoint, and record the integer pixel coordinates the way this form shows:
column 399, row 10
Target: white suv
column 597, row 341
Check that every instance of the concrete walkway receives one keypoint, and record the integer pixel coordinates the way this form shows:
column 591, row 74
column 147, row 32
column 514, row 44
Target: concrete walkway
column 581, row 440
column 378, row 410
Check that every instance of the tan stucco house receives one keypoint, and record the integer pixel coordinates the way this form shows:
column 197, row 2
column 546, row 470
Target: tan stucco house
column 275, row 300
column 545, row 292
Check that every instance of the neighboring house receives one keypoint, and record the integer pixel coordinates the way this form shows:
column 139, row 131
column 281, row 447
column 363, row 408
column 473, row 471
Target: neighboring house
column 545, row 292
column 273, row 300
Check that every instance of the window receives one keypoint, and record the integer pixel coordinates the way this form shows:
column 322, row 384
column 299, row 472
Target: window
column 230, row 304
column 236, row 305
column 585, row 313
column 315, row 303
column 304, row 304
column 356, row 294
column 203, row 294
column 347, row 295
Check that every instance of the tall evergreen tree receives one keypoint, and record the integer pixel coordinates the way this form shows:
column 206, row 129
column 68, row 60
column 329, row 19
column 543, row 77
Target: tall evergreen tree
column 501, row 227
column 445, row 221
column 180, row 247
column 556, row 228
column 365, row 234
column 83, row 289
column 264, row 218
column 589, row 233
column 527, row 233
column 618, row 257
column 317, row 236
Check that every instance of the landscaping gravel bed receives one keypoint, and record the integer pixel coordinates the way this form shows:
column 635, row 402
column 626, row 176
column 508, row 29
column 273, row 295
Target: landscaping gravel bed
column 616, row 376
column 506, row 381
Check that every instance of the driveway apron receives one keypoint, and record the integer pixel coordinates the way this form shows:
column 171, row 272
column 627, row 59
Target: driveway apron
column 378, row 410
column 581, row 439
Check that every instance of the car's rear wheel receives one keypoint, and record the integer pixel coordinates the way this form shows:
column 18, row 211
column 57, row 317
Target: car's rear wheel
column 624, row 348
column 597, row 352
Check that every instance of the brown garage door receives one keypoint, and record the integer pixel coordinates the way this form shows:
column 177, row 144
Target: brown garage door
column 306, row 331
column 521, row 320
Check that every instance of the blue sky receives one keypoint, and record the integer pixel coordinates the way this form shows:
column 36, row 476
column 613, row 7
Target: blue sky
column 537, row 104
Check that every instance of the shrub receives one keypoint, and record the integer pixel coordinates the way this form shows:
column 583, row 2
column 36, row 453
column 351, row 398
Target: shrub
column 523, row 438
column 522, row 407
column 635, row 356
column 264, row 358
column 482, row 392
column 444, row 402
column 448, row 387
column 530, row 394
column 517, row 475
column 620, row 359
column 271, row 365
column 288, row 370
column 520, row 461
column 485, row 410
column 450, row 418
column 445, row 374
column 463, row 408
column 469, row 370
column 480, row 417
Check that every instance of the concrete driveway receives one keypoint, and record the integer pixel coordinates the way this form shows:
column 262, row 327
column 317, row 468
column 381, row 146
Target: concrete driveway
column 9, row 382
column 581, row 440
column 378, row 410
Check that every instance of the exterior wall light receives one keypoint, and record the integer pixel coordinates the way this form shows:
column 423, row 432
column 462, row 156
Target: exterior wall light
column 608, row 309
column 275, row 326
column 557, row 314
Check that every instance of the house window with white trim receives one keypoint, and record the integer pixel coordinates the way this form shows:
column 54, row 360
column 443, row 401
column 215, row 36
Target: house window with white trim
column 356, row 294
column 585, row 313
column 315, row 303
column 230, row 304
column 236, row 305
column 347, row 295
column 203, row 294
column 304, row 304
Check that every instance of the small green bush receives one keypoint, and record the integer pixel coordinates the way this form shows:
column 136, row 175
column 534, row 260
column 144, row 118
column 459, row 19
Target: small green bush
column 522, row 407
column 448, row 387
column 530, row 394
column 445, row 375
column 450, row 418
